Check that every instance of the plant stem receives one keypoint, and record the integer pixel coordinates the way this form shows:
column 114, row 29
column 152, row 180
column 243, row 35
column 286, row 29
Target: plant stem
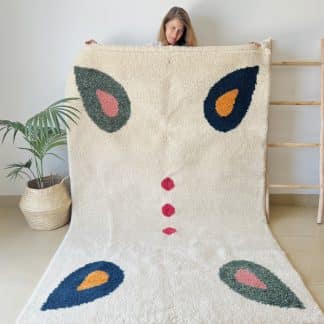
column 38, row 174
column 42, row 172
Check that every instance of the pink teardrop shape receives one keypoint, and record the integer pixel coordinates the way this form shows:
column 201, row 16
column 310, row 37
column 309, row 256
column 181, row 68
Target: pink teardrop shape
column 248, row 278
column 169, row 230
column 108, row 102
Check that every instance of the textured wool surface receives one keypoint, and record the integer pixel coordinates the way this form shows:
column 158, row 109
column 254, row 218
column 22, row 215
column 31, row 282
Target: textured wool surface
column 166, row 193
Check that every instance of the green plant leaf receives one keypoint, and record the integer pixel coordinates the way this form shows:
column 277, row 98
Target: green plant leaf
column 5, row 134
column 64, row 100
column 69, row 108
column 34, row 152
column 45, row 123
column 19, row 168
column 14, row 135
column 66, row 108
column 8, row 126
column 70, row 118
column 63, row 120
column 43, row 132
column 52, row 118
column 56, row 121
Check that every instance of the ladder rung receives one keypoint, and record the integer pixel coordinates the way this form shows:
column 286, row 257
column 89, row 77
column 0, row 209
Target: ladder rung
column 294, row 145
column 295, row 103
column 295, row 186
column 300, row 63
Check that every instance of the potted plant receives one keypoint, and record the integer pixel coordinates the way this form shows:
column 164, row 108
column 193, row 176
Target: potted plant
column 46, row 201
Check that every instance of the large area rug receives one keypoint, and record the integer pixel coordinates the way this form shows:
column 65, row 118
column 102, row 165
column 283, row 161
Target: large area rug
column 167, row 167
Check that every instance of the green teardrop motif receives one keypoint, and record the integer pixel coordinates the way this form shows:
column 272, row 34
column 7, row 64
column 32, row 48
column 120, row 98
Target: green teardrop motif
column 276, row 292
column 89, row 81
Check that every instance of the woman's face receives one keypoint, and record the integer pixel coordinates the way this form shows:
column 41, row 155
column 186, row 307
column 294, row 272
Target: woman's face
column 174, row 29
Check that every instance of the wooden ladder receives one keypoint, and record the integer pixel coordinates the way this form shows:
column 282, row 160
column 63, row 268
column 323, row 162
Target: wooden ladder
column 320, row 103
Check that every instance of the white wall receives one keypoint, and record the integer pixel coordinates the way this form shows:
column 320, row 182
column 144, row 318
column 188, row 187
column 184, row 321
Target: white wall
column 40, row 38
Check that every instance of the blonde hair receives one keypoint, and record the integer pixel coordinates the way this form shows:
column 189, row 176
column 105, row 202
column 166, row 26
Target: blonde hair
column 188, row 37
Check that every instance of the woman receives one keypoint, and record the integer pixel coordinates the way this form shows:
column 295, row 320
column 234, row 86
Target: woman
column 176, row 29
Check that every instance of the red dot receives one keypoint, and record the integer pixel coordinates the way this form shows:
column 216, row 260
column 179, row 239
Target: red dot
column 167, row 183
column 168, row 210
column 169, row 230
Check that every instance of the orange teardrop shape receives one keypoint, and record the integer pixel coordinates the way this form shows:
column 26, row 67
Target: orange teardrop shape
column 94, row 279
column 224, row 104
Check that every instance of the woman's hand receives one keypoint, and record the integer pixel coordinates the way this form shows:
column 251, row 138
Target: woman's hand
column 90, row 41
column 255, row 44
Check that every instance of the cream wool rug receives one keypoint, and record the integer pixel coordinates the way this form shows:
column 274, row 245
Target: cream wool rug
column 167, row 167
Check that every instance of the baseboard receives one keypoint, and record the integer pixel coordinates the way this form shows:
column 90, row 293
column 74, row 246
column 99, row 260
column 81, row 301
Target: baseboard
column 275, row 199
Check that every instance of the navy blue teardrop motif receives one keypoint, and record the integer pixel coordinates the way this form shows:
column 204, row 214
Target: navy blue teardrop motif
column 92, row 281
column 229, row 99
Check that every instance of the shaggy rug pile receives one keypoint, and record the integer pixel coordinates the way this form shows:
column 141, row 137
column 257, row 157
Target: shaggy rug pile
column 167, row 168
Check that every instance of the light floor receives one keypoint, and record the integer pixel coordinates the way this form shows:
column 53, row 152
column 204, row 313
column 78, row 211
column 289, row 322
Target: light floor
column 24, row 253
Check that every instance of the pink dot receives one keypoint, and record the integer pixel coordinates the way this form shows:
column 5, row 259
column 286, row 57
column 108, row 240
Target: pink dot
column 169, row 230
column 247, row 278
column 167, row 183
column 108, row 103
column 168, row 210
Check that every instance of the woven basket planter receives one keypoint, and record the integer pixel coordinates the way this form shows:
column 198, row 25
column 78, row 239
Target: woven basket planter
column 48, row 208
